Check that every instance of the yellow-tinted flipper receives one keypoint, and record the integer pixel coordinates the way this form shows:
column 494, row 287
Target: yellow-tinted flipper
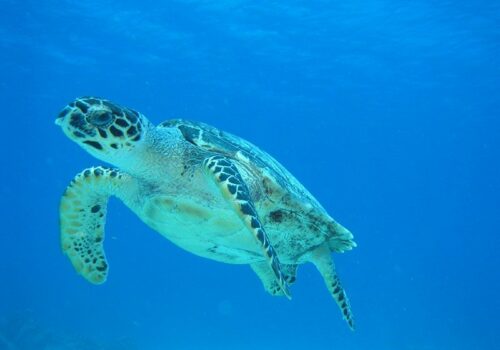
column 229, row 180
column 82, row 214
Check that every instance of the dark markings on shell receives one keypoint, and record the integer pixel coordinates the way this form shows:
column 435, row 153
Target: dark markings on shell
column 190, row 134
column 233, row 147
column 276, row 216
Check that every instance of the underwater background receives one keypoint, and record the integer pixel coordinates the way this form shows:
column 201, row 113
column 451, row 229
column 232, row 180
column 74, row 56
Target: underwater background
column 387, row 111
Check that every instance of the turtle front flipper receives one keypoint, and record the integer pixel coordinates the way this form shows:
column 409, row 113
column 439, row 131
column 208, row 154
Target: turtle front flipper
column 82, row 215
column 234, row 189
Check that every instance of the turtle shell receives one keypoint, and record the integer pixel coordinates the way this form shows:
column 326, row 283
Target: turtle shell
column 275, row 177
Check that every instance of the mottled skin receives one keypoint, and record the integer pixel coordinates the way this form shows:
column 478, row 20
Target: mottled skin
column 209, row 192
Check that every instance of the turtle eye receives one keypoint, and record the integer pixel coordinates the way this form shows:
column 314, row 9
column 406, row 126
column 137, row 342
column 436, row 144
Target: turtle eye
column 100, row 118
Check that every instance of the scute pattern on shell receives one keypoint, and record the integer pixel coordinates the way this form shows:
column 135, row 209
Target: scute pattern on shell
column 234, row 147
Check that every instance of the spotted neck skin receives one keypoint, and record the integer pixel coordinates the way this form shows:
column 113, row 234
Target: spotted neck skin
column 118, row 135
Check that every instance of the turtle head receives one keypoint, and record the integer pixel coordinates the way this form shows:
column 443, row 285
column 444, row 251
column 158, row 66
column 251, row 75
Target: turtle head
column 104, row 129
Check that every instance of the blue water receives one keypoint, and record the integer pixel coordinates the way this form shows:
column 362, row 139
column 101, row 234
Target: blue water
column 387, row 111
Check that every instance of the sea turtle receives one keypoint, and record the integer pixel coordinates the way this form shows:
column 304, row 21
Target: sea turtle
column 207, row 191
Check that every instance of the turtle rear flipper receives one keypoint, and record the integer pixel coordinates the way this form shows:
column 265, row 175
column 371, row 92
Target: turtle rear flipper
column 82, row 215
column 323, row 261
column 269, row 281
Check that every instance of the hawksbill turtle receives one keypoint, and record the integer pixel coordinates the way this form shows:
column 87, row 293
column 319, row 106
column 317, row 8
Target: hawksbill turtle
column 207, row 191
